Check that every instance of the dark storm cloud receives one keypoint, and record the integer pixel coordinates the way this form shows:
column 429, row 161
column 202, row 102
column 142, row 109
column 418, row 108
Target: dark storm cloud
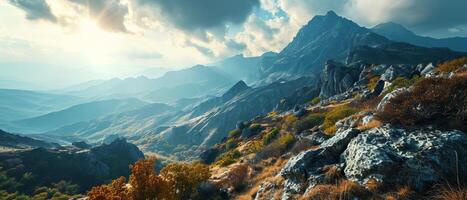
column 35, row 9
column 110, row 14
column 427, row 15
column 202, row 14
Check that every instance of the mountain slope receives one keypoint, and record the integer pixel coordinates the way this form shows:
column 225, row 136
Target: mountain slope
column 12, row 141
column 194, row 81
column 399, row 33
column 323, row 38
column 21, row 104
column 77, row 113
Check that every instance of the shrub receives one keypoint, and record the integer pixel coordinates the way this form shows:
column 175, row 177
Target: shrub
column 288, row 121
column 176, row 181
column 437, row 101
column 228, row 158
column 336, row 114
column 277, row 148
column 286, row 141
column 234, row 133
column 230, row 144
column 184, row 178
column 308, row 122
column 452, row 65
column 269, row 137
column 315, row 100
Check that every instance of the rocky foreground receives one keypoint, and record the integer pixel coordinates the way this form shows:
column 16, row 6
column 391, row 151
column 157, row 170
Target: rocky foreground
column 384, row 132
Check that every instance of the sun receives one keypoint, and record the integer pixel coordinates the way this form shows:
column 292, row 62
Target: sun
column 94, row 42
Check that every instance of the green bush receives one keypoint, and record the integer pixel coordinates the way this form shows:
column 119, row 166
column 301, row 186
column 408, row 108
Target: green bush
column 286, row 141
column 230, row 144
column 276, row 148
column 309, row 121
column 228, row 158
column 234, row 133
column 271, row 136
column 336, row 114
column 315, row 100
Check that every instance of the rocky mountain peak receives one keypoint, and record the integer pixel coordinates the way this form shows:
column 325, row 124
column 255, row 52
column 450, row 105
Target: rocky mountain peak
column 236, row 89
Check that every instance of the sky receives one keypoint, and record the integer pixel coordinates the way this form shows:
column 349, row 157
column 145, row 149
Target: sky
column 54, row 43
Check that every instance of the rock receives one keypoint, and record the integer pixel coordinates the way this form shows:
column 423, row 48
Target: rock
column 395, row 71
column 389, row 96
column 316, row 138
column 266, row 191
column 346, row 123
column 241, row 125
column 209, row 156
column 110, row 138
column 378, row 89
column 307, row 166
column 395, row 156
column 336, row 78
column 428, row 69
column 299, row 111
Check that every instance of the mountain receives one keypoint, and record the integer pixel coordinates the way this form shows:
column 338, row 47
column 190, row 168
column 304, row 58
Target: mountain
column 323, row 38
column 400, row 53
column 10, row 141
column 240, row 67
column 133, row 123
column 84, row 167
column 77, row 113
column 194, row 81
column 399, row 33
column 21, row 104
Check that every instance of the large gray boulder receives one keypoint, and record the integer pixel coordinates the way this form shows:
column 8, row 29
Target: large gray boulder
column 308, row 165
column 386, row 99
column 396, row 156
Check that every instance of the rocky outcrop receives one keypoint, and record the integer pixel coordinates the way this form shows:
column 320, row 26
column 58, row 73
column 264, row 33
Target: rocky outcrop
column 336, row 78
column 386, row 99
column 395, row 156
column 307, row 167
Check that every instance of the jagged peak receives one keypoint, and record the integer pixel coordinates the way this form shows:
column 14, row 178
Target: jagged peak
column 234, row 90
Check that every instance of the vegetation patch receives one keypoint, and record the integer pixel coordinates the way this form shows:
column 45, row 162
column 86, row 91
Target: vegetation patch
column 309, row 121
column 451, row 66
column 336, row 114
column 228, row 158
column 271, row 136
column 438, row 101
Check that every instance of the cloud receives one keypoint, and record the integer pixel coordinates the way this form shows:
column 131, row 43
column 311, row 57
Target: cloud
column 201, row 14
column 35, row 9
column 419, row 15
column 109, row 14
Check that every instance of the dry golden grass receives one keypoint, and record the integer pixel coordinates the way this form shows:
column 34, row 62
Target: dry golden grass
column 452, row 65
column 404, row 192
column 373, row 185
column 390, row 197
column 331, row 173
column 268, row 173
column 370, row 125
column 451, row 193
column 343, row 190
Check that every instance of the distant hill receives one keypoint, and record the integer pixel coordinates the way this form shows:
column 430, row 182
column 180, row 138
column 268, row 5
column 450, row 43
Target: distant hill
column 77, row 113
column 399, row 33
column 22, row 104
column 186, row 83
column 12, row 141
